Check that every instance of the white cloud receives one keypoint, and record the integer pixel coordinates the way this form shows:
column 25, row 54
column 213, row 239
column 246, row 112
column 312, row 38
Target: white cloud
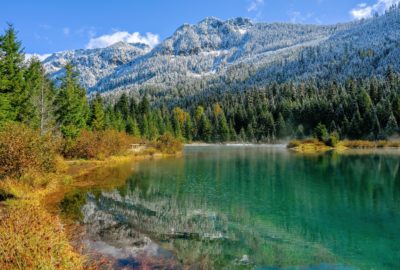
column 255, row 5
column 363, row 11
column 66, row 31
column 108, row 40
column 41, row 57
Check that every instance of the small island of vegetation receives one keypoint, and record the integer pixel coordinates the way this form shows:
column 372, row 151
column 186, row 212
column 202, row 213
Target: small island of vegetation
column 323, row 141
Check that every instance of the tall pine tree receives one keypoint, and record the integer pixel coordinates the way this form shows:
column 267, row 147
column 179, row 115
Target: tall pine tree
column 14, row 96
column 72, row 107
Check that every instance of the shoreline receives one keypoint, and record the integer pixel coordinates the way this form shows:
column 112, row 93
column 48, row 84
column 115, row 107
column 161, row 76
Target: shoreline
column 310, row 146
column 44, row 203
column 45, row 216
column 271, row 145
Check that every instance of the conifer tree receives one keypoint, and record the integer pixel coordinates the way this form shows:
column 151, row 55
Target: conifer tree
column 40, row 110
column 13, row 93
column 178, row 120
column 223, row 128
column 281, row 129
column 391, row 126
column 188, row 128
column 119, row 122
column 153, row 130
column 97, row 114
column 204, row 128
column 72, row 108
column 355, row 129
column 122, row 106
column 132, row 127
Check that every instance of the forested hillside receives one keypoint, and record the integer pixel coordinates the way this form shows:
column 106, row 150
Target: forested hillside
column 238, row 54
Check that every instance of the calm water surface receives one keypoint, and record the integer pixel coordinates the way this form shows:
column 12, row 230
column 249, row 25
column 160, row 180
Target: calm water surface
column 251, row 207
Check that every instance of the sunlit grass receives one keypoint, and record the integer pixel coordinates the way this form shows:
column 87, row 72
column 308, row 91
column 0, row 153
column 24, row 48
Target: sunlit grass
column 31, row 238
column 315, row 146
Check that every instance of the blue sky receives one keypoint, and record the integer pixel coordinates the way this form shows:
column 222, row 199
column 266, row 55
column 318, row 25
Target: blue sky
column 50, row 26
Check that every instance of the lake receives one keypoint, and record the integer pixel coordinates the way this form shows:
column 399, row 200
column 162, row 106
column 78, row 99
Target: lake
column 246, row 207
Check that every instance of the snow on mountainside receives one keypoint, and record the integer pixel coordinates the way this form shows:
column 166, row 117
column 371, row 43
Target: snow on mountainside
column 215, row 53
column 94, row 64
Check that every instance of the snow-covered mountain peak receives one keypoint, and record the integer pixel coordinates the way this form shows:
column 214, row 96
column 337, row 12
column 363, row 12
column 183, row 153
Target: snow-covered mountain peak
column 122, row 45
column 214, row 53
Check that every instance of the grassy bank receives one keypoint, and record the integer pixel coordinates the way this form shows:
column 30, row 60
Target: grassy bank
column 32, row 234
column 317, row 146
column 35, row 172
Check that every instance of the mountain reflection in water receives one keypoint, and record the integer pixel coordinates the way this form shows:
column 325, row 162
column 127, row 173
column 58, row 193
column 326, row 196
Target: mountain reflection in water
column 251, row 208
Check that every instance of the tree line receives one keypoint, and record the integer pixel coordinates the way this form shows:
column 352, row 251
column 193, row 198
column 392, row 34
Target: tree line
column 355, row 109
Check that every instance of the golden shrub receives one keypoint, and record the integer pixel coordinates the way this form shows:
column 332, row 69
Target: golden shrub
column 98, row 144
column 30, row 238
column 25, row 150
column 168, row 144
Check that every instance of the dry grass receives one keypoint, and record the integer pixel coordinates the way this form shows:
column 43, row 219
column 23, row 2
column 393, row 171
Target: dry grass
column 98, row 144
column 31, row 235
column 31, row 186
column 358, row 144
column 313, row 145
column 362, row 144
column 308, row 146
column 31, row 238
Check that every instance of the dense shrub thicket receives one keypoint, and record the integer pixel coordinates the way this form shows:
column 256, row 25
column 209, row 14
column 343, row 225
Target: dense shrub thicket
column 97, row 144
column 23, row 150
column 168, row 144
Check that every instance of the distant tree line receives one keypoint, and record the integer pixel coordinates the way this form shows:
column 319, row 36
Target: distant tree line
column 355, row 109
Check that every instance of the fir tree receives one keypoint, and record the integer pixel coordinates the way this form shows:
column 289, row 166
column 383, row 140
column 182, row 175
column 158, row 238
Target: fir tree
column 14, row 96
column 122, row 106
column 205, row 130
column 132, row 127
column 40, row 112
column 72, row 108
column 281, row 129
column 391, row 126
column 97, row 114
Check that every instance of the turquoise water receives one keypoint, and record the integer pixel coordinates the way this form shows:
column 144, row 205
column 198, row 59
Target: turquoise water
column 220, row 207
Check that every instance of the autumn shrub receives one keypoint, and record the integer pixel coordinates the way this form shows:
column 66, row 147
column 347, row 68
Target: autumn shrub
column 31, row 238
column 168, row 144
column 25, row 150
column 97, row 144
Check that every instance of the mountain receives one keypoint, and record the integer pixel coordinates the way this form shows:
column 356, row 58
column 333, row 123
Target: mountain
column 94, row 64
column 238, row 53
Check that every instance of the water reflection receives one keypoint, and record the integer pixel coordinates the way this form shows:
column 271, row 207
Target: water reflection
column 262, row 208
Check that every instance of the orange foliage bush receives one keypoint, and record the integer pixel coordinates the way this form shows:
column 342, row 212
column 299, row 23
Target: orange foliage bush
column 98, row 144
column 24, row 150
